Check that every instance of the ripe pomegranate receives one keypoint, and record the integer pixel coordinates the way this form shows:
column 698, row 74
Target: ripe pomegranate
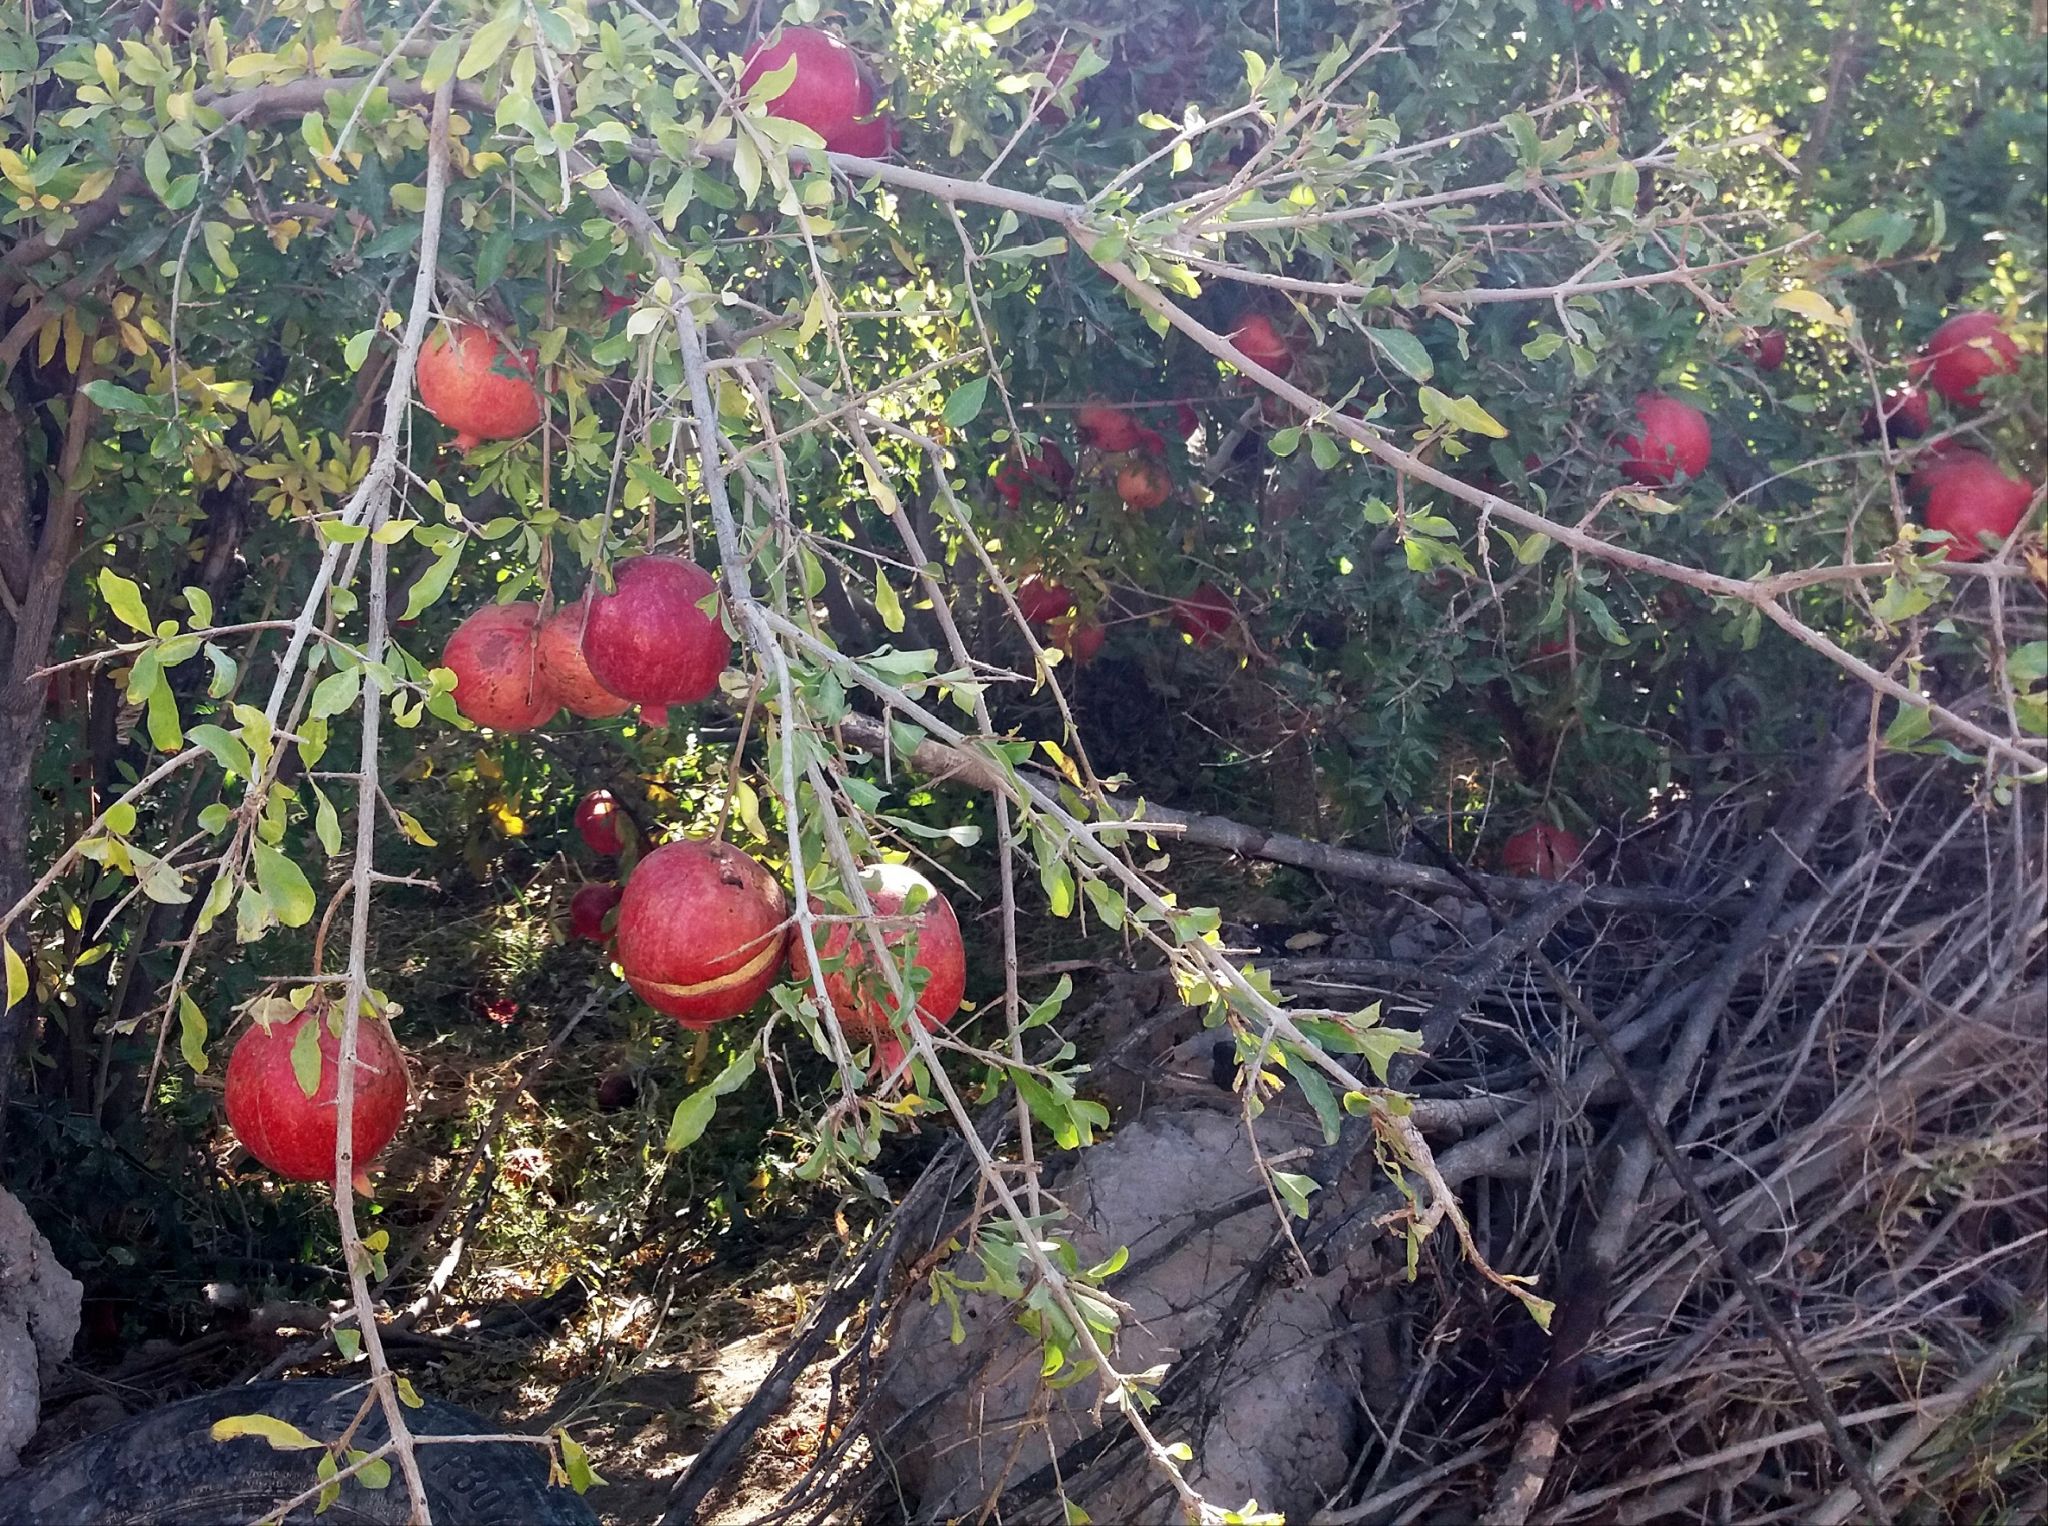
column 1143, row 484
column 597, row 822
column 588, row 908
column 701, row 931
column 860, row 994
column 1550, row 658
column 1765, row 348
column 476, row 387
column 1206, row 615
column 564, row 669
column 1259, row 341
column 292, row 1133
column 1040, row 600
column 830, row 94
column 1079, row 637
column 650, row 641
column 1969, row 497
column 1110, row 429
column 1542, row 851
column 1046, row 470
column 1186, row 420
column 1904, row 416
column 498, row 682
column 1962, row 353
column 876, row 139
column 1675, row 438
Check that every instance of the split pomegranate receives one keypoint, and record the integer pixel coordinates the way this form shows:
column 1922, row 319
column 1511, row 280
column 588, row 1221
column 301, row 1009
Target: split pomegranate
column 650, row 641
column 294, row 1134
column 1206, row 615
column 1765, row 348
column 598, row 818
column 830, row 93
column 701, row 931
column 498, row 682
column 1543, row 851
column 476, row 387
column 1962, row 353
column 1040, row 600
column 861, row 997
column 564, row 669
column 588, row 908
column 1969, row 497
column 1143, row 484
column 1260, row 342
column 1079, row 637
column 1674, row 438
column 1046, row 470
column 1903, row 415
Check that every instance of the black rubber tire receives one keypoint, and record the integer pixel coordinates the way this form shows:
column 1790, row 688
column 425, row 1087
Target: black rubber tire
column 164, row 1469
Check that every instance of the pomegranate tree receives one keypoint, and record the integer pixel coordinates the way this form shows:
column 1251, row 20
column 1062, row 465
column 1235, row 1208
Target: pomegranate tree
column 599, row 819
column 831, row 94
column 1963, row 353
column 1672, row 438
column 701, row 930
column 294, row 1134
column 1543, row 852
column 565, row 670
column 651, row 641
column 498, row 682
column 588, row 908
column 477, row 387
column 860, row 992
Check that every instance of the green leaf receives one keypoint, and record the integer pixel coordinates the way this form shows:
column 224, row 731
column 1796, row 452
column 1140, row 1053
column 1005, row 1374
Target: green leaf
column 887, row 605
column 1405, row 351
column 17, row 977
column 441, row 64
column 374, row 1474
column 191, row 1033
column 1294, row 1190
column 964, row 406
column 306, row 1056
column 282, row 1435
column 349, row 1343
column 156, row 168
column 326, row 825
column 407, row 1394
column 693, row 1114
column 164, row 732
column 116, row 398
column 1462, row 412
column 124, row 600
column 357, row 350
column 219, row 241
column 576, row 1464
column 490, row 42
column 226, row 748
column 201, row 605
column 335, row 694
column 746, row 167
column 433, row 582
column 284, row 886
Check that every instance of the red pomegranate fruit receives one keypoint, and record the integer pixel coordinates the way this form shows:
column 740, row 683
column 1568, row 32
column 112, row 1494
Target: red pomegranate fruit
column 588, row 908
column 293, row 1134
column 477, row 387
column 1969, row 497
column 1040, row 600
column 1260, row 342
column 564, row 669
column 598, row 819
column 1114, row 431
column 1765, row 348
column 830, row 94
column 498, row 682
column 860, row 993
column 1903, row 415
column 1079, row 637
column 701, row 931
column 1962, row 353
column 1143, row 484
column 874, row 139
column 650, row 641
column 1673, row 438
column 1046, row 470
column 1206, row 615
column 1543, row 852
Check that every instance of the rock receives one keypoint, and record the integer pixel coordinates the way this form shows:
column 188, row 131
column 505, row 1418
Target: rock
column 39, row 1303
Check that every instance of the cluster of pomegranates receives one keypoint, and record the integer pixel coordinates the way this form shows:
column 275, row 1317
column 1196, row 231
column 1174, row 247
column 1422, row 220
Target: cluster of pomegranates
column 1204, row 616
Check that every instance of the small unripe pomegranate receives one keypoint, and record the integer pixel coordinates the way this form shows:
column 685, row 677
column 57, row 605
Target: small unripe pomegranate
column 1962, row 353
column 293, row 1134
column 477, row 387
column 1143, row 484
column 1969, row 497
column 1111, row 429
column 701, row 931
column 1260, row 342
column 830, row 94
column 1045, row 470
column 1904, row 415
column 1543, row 852
column 1206, row 615
column 1673, row 438
column 498, row 682
column 598, row 819
column 565, row 671
column 1765, row 348
column 588, row 908
column 1079, row 637
column 860, row 992
column 651, row 641
column 1040, row 600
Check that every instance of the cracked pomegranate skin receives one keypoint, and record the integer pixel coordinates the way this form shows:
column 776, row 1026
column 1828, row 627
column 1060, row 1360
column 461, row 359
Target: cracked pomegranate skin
column 860, row 994
column 701, row 931
column 476, row 387
column 497, row 676
column 293, row 1134
column 650, row 642
column 565, row 670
